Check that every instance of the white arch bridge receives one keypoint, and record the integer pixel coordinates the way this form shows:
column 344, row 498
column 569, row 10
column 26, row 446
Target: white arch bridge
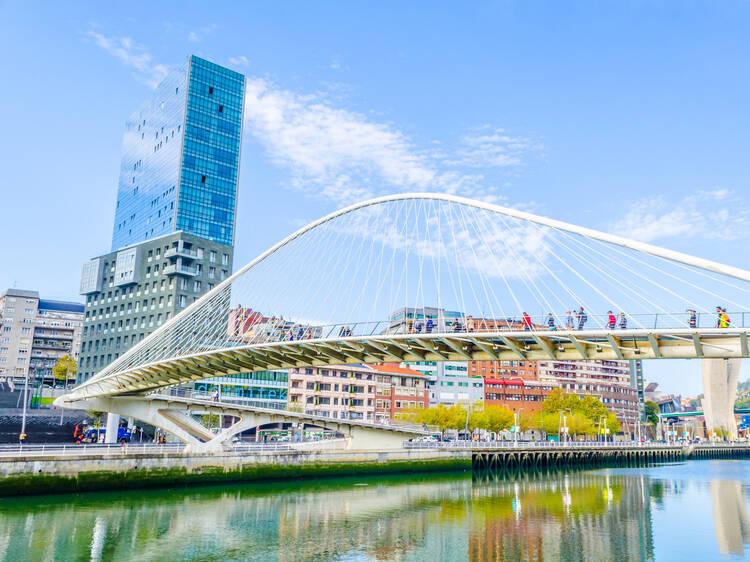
column 430, row 277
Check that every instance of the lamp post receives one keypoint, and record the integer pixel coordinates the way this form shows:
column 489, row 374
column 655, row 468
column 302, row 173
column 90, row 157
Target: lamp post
column 22, row 436
column 516, row 420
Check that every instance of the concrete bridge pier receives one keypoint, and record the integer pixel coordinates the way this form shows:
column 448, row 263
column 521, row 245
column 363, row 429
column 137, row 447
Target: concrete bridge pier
column 720, row 378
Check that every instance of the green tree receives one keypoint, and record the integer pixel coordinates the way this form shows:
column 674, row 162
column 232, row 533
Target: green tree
column 548, row 422
column 652, row 412
column 64, row 369
column 498, row 418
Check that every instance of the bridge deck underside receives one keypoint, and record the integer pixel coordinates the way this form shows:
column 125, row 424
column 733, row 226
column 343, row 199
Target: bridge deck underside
column 564, row 346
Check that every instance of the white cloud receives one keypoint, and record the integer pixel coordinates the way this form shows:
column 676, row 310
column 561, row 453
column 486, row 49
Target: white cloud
column 198, row 35
column 132, row 56
column 241, row 60
column 716, row 214
column 344, row 155
column 487, row 146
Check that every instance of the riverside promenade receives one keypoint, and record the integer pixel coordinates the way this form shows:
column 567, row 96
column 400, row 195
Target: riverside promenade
column 38, row 469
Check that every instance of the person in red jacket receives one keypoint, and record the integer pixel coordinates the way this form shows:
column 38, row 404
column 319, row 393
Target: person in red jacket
column 611, row 321
column 526, row 322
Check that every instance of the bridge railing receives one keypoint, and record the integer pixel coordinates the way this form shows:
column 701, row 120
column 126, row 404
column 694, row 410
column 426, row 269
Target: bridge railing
column 461, row 444
column 534, row 323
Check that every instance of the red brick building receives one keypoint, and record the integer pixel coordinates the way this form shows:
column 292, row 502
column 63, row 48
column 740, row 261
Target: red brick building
column 516, row 393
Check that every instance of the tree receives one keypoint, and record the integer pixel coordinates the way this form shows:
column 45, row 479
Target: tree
column 652, row 412
column 548, row 422
column 497, row 418
column 64, row 369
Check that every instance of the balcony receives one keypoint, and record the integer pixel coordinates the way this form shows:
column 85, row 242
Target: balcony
column 181, row 252
column 179, row 269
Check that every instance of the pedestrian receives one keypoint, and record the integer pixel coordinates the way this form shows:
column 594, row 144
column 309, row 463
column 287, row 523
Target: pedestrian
column 611, row 320
column 623, row 321
column 429, row 326
column 692, row 318
column 410, row 326
column 457, row 325
column 582, row 318
column 725, row 323
column 526, row 322
column 718, row 317
column 22, row 438
column 341, row 331
column 550, row 322
column 569, row 321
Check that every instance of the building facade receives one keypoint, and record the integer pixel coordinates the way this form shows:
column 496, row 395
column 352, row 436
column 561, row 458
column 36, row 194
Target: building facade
column 449, row 382
column 375, row 393
column 607, row 380
column 517, row 394
column 526, row 370
column 261, row 389
column 636, row 382
column 176, row 209
column 35, row 333
column 131, row 292
column 181, row 158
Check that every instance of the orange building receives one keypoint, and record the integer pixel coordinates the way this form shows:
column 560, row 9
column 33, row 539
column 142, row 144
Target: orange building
column 504, row 369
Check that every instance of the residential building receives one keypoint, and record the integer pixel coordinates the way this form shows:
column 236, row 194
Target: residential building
column 375, row 393
column 517, row 394
column 449, row 382
column 176, row 210
column 35, row 333
column 607, row 380
column 526, row 370
column 636, row 382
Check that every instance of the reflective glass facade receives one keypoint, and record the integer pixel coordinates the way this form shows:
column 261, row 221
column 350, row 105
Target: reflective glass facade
column 180, row 163
column 211, row 153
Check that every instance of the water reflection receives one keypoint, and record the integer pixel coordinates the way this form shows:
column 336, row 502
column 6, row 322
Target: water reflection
column 731, row 523
column 587, row 515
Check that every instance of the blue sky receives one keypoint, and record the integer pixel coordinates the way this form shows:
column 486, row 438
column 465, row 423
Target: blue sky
column 628, row 117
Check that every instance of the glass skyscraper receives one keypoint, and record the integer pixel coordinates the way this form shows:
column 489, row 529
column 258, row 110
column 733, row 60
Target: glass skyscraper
column 181, row 157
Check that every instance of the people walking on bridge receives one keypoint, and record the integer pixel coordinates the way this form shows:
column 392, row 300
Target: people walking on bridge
column 569, row 323
column 429, row 326
column 526, row 322
column 724, row 321
column 692, row 318
column 582, row 318
column 457, row 325
column 418, row 328
column 611, row 320
column 623, row 324
column 551, row 322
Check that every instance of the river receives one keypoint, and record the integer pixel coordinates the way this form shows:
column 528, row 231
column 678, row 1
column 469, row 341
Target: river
column 694, row 510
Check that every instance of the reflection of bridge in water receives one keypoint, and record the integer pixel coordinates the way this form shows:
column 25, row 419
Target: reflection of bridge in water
column 457, row 280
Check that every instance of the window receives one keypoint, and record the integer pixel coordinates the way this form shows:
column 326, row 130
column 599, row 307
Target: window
column 210, row 89
column 212, row 256
column 203, row 179
column 225, row 259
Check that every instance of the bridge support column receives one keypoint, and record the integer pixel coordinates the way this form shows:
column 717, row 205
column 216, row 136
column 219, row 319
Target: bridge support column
column 113, row 424
column 719, row 393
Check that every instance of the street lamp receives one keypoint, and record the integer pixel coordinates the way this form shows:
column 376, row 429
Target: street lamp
column 516, row 420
